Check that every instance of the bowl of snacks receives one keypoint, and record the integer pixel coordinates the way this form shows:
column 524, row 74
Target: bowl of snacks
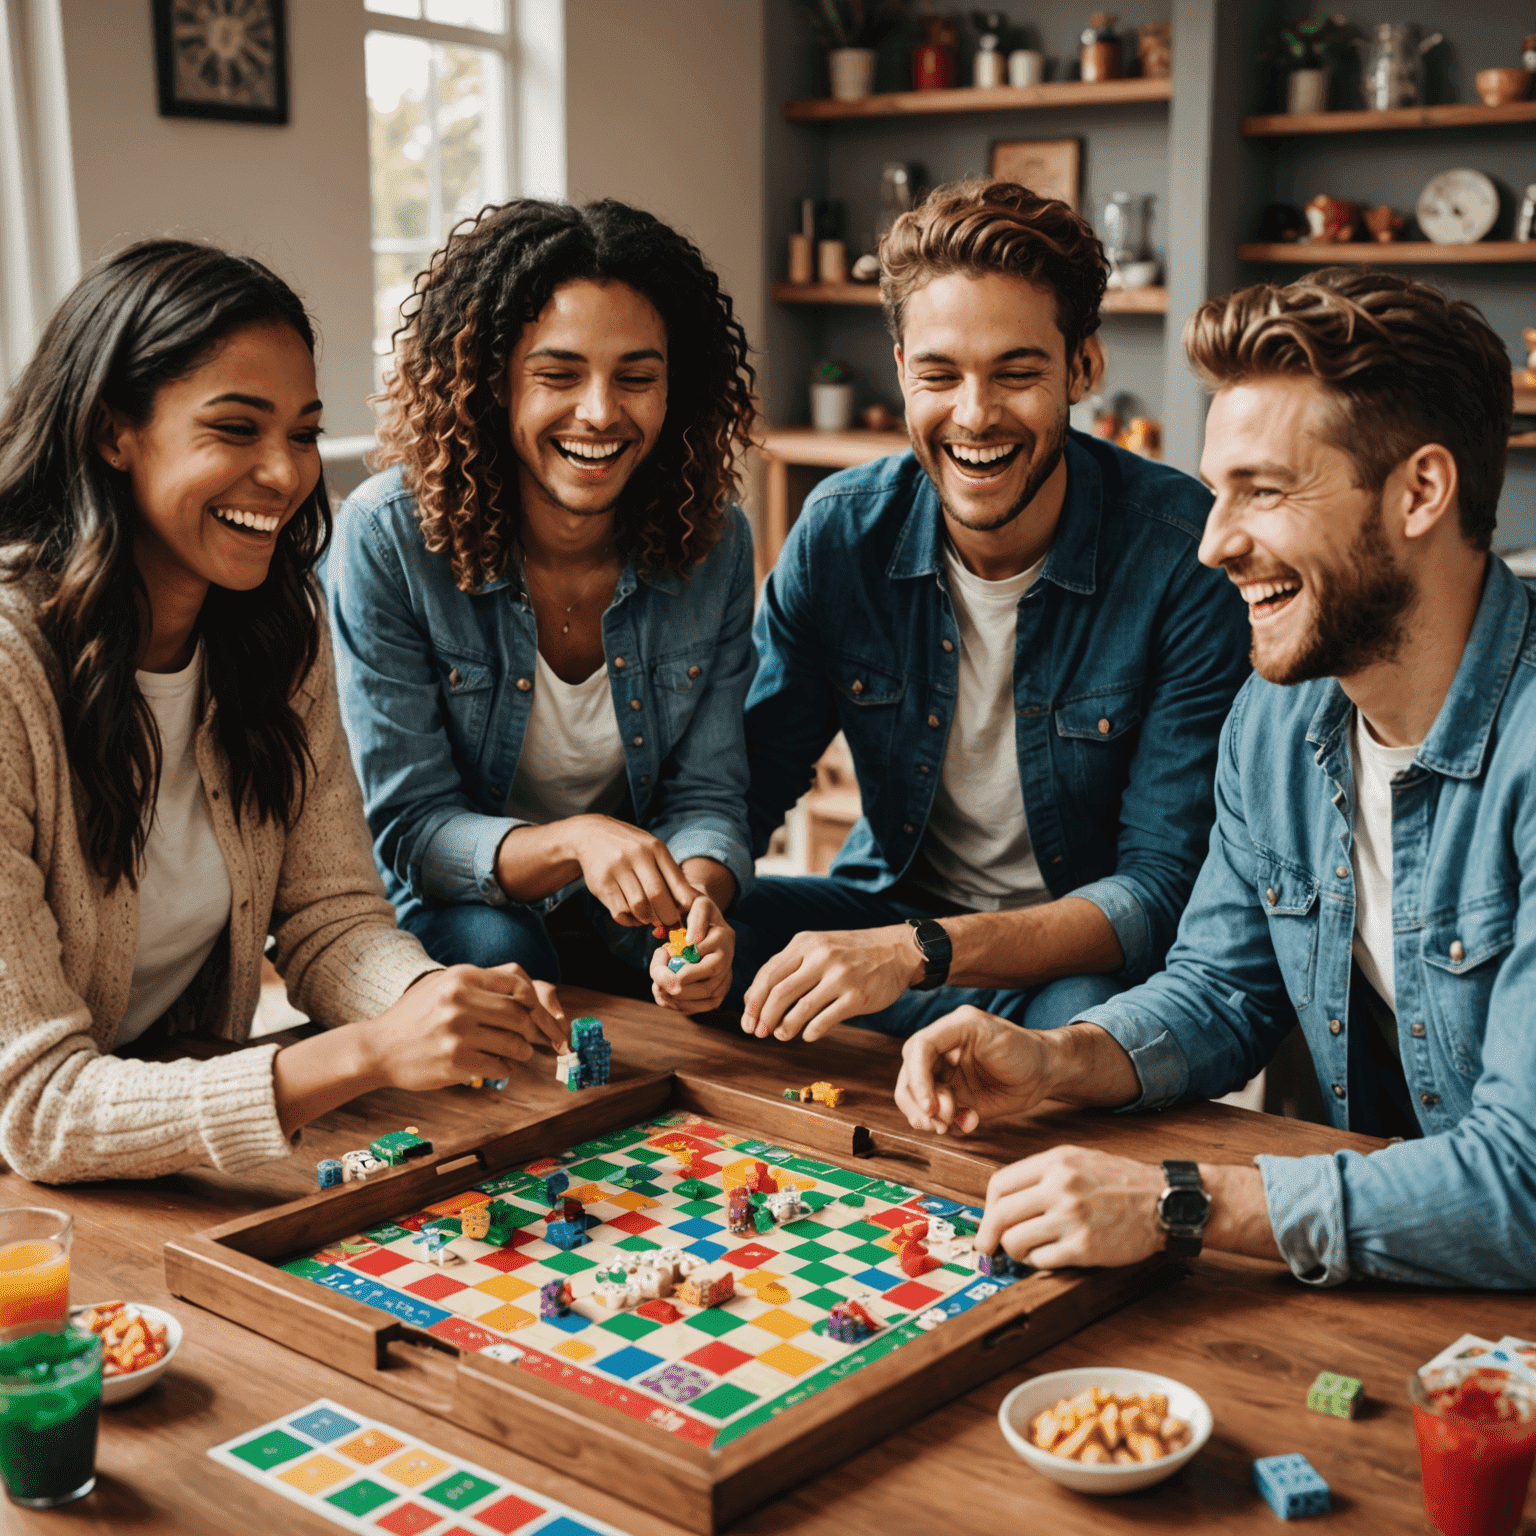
column 1105, row 1430
column 137, row 1342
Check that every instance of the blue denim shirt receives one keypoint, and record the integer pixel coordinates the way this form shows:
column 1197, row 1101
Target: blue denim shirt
column 1128, row 655
column 1271, row 925
column 436, row 689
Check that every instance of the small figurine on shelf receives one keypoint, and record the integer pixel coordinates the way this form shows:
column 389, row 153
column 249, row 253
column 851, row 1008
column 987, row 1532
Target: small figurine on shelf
column 933, row 60
column 1528, row 336
column 1331, row 220
column 989, row 64
column 1383, row 224
column 1101, row 48
column 1154, row 47
column 1144, row 436
column 1310, row 50
column 1528, row 53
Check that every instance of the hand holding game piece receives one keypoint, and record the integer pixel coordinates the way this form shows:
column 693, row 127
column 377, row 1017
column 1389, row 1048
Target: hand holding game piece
column 700, row 984
column 631, row 872
column 821, row 979
column 969, row 1066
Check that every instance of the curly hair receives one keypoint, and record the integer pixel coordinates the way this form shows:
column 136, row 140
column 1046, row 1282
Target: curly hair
column 447, row 420
column 1404, row 365
column 152, row 314
column 978, row 226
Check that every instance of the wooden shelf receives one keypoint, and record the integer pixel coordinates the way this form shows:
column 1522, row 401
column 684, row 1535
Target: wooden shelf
column 1136, row 301
column 1391, row 253
column 830, row 450
column 1525, row 395
column 1000, row 98
column 1523, row 440
column 1470, row 115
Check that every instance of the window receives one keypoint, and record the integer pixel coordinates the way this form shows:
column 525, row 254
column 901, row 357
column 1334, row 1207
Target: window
column 439, row 131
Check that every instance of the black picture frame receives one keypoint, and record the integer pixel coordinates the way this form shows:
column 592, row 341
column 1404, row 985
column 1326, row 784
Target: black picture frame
column 174, row 104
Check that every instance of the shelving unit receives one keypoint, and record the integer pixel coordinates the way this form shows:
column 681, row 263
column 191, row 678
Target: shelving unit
column 1137, row 301
column 1000, row 98
column 1391, row 253
column 1525, row 395
column 1459, row 115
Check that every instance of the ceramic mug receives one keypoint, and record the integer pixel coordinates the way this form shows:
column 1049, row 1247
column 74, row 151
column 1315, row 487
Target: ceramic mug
column 1499, row 87
column 852, row 71
column 1026, row 66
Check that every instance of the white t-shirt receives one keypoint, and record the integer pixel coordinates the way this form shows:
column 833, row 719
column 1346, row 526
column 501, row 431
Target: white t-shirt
column 572, row 762
column 184, row 892
column 977, row 844
column 1374, row 767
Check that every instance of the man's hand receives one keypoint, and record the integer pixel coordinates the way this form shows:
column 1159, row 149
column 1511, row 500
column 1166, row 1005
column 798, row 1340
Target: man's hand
column 631, row 872
column 700, row 985
column 1070, row 1206
column 969, row 1066
column 821, row 979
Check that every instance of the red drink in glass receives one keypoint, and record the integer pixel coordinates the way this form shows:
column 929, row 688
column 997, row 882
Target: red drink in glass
column 1476, row 1427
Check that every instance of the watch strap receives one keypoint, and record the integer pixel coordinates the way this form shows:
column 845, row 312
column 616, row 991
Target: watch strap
column 1185, row 1240
column 937, row 952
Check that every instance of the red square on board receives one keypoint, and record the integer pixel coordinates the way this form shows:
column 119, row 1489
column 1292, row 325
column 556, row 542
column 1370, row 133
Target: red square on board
column 718, row 1357
column 632, row 1222
column 913, row 1295
column 510, row 1514
column 894, row 1219
column 709, row 1132
column 467, row 1335
column 752, row 1256
column 407, row 1520
column 435, row 1287
column 704, row 1170
column 505, row 1259
column 379, row 1262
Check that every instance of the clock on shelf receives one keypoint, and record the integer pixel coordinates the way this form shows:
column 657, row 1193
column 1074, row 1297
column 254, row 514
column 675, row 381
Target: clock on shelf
column 1458, row 207
column 222, row 59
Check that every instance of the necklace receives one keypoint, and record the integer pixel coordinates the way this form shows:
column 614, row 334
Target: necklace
column 570, row 608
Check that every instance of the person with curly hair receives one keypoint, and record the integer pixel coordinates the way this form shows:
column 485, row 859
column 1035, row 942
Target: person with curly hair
column 174, row 785
column 543, row 604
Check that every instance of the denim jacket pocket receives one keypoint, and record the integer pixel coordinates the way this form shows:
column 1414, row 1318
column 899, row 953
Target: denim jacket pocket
column 1459, row 989
column 1100, row 729
column 468, row 687
column 868, row 705
column 1288, row 897
column 678, row 682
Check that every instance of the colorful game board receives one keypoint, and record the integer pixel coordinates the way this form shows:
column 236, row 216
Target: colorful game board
column 368, row 1477
column 717, row 1372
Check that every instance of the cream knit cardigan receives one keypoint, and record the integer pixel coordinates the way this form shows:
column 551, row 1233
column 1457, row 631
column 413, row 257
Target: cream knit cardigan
column 69, row 1109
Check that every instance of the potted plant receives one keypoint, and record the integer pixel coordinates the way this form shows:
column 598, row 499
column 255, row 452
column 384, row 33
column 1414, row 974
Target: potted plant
column 831, row 398
column 851, row 31
column 1310, row 49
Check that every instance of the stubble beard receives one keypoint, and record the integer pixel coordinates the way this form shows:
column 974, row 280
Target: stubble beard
column 1043, row 464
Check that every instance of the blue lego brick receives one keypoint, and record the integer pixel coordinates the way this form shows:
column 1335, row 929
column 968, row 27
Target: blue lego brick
column 585, row 1028
column 1290, row 1487
column 676, row 963
column 497, row 1083
column 328, row 1172
column 565, row 1234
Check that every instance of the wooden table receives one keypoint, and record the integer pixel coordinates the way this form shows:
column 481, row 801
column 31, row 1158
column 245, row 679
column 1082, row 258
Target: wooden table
column 1244, row 1334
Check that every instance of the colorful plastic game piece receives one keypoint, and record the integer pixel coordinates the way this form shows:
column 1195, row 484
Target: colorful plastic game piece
column 763, row 1181
column 916, row 1260
column 497, row 1083
column 657, row 1311
column 762, row 1219
column 328, row 1172
column 398, row 1147
column 555, row 1299
column 356, row 1166
column 849, row 1322
column 436, row 1241
column 787, row 1204
column 551, row 1188
column 1290, row 1487
column 475, row 1220
column 503, row 1224
column 738, row 1210
column 708, row 1286
column 566, row 1235
column 1000, row 1263
column 694, row 1189
column 587, row 1063
column 1339, row 1395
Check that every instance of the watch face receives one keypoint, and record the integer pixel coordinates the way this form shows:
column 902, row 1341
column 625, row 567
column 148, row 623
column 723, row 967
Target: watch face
column 1183, row 1207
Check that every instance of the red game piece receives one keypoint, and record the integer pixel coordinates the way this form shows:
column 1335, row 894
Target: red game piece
column 658, row 1311
column 916, row 1260
column 764, row 1183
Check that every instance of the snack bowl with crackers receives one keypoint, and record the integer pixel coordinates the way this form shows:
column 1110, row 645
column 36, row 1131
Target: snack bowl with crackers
column 137, row 1343
column 1103, row 1429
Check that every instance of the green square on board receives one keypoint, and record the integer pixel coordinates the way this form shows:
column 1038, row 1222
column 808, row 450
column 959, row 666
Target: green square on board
column 647, row 1155
column 818, row 1274
column 808, row 1165
column 823, row 1298
column 871, row 1253
column 723, row 1401
column 459, row 1490
column 811, row 1251
column 593, row 1169
column 636, row 1244
column 628, row 1326
column 810, row 1231
column 845, row 1180
column 271, row 1449
column 699, row 1207
column 305, row 1269
column 388, row 1233
column 650, row 1190
column 894, row 1193
column 568, row 1263
column 360, row 1497
column 867, row 1230
column 714, row 1322
column 814, row 1198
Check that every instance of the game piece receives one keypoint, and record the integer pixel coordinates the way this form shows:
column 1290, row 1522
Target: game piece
column 662, row 1312
column 660, row 931
column 398, row 1147
column 568, row 1070
column 498, row 1083
column 508, row 1354
column 564, row 1234
column 1000, row 1263
column 1339, row 1395
column 762, row 1219
column 694, row 1189
column 570, row 1209
column 916, row 1260
column 931, row 1319
column 850, row 1322
column 358, row 1165
column 738, row 1210
column 553, row 1187
column 328, row 1172
column 708, row 1286
column 503, row 1224
column 475, row 1220
column 616, row 1290
column 555, row 1298
column 677, row 941
column 1290, row 1487
column 587, row 1063
column 763, row 1182
column 787, row 1204
column 437, row 1246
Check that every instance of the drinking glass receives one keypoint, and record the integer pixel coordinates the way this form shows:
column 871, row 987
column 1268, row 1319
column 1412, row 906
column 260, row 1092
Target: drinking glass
column 34, row 1270
column 1476, row 1428
column 50, row 1403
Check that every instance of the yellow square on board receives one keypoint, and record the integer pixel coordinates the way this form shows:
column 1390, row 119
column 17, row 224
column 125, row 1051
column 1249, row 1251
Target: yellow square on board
column 632, row 1200
column 588, row 1194
column 789, row 1359
column 504, row 1287
column 414, row 1467
column 370, row 1446
column 316, row 1473
column 507, row 1318
column 574, row 1349
column 757, row 1278
column 456, row 1203
column 785, row 1324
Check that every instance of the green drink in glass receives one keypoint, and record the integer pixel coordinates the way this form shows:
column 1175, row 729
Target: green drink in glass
column 50, row 1401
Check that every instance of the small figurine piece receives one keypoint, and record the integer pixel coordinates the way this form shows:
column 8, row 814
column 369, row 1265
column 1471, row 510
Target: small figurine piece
column 1000, row 1263
column 400, row 1146
column 497, row 1083
column 916, row 1260
column 708, row 1286
column 616, row 1290
column 565, row 1234
column 1154, row 47
column 850, row 1323
column 475, row 1220
column 555, row 1299
column 1383, row 224
column 763, row 1182
column 502, row 1227
column 1101, row 48
column 437, row 1244
column 554, row 1186
column 818, row 1093
column 1290, row 1487
column 660, row 1269
column 568, row 1070
column 787, row 1205
column 1339, row 1395
column 658, row 1312
column 680, row 950
column 762, row 1219
column 587, row 1063
column 328, row 1172
column 508, row 1354
column 570, row 1209
column 1331, row 220
column 738, row 1210
column 358, row 1165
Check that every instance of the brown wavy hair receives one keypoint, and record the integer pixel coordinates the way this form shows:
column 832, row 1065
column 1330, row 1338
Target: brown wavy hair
column 978, row 226
column 1403, row 364
column 446, row 422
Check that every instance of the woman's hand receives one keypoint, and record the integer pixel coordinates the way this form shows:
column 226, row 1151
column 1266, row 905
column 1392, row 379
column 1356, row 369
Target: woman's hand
column 632, row 873
column 702, row 984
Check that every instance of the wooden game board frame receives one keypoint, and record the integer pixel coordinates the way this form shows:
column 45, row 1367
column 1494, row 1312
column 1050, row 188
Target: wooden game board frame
column 232, row 1270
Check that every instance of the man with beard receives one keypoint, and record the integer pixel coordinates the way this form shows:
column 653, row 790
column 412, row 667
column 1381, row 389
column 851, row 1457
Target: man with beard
column 1029, row 663
column 1373, row 867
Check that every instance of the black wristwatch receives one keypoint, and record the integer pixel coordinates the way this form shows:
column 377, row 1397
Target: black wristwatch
column 937, row 952
column 1183, row 1209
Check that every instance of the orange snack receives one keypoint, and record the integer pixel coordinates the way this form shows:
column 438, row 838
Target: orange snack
column 1098, row 1427
column 129, row 1341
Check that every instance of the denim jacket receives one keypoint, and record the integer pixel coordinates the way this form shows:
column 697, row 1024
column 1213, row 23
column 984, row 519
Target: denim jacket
column 436, row 690
column 1128, row 655
column 1271, row 925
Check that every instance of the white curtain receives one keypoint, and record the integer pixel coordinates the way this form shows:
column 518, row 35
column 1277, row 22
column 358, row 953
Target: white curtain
column 39, row 231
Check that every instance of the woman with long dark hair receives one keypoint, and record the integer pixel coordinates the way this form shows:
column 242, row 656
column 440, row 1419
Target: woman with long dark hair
column 174, row 783
column 543, row 607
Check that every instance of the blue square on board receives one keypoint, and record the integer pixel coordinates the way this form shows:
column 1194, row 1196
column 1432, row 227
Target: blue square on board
column 323, row 1425
column 565, row 1526
column 696, row 1226
column 629, row 1362
column 876, row 1279
column 572, row 1322
column 706, row 1250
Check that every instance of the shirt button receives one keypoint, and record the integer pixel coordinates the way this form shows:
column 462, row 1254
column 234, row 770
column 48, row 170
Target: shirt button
column 1417, row 1031
column 618, row 661
column 1270, row 896
column 1338, row 1091
column 1103, row 727
column 1458, row 951
column 1334, row 1026
column 858, row 687
column 906, row 826
column 453, row 678
column 949, row 645
column 634, row 703
column 639, row 741
column 922, row 768
column 933, row 720
column 496, row 790
column 523, row 685
column 693, row 671
column 1429, row 1100
column 1342, row 872
column 645, row 778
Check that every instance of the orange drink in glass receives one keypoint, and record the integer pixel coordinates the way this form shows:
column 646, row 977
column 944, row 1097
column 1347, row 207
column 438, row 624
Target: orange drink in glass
column 34, row 1270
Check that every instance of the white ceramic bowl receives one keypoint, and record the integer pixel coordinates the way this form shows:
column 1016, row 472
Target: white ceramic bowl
column 1040, row 1392
column 119, row 1389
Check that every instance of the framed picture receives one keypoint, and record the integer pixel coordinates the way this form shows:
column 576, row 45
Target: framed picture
column 1048, row 167
column 223, row 59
